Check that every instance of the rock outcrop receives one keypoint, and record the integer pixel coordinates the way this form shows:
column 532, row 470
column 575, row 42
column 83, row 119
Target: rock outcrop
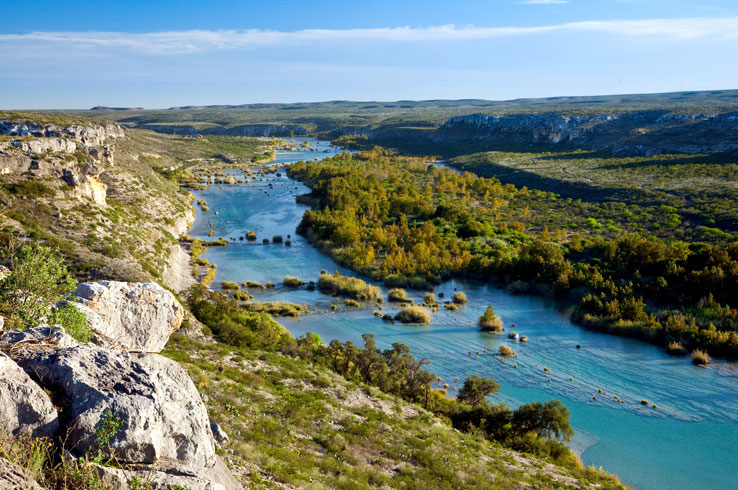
column 86, row 135
column 170, row 474
column 630, row 133
column 160, row 410
column 242, row 130
column 12, row 477
column 66, row 152
column 131, row 316
column 25, row 409
column 159, row 427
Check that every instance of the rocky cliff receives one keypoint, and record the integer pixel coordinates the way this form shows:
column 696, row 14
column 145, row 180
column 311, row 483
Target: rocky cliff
column 632, row 133
column 53, row 151
column 241, row 130
column 91, row 187
column 116, row 398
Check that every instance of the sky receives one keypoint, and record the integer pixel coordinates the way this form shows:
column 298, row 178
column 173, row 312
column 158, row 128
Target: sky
column 160, row 53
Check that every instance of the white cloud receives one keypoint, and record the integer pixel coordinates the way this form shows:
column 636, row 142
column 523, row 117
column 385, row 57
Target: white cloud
column 195, row 41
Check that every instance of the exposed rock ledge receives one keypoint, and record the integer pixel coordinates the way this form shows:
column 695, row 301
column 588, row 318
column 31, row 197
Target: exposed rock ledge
column 165, row 436
column 130, row 316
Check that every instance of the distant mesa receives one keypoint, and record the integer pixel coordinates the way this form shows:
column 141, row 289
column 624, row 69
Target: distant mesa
column 106, row 108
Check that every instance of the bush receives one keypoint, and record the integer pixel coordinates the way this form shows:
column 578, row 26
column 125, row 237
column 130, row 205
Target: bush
column 676, row 349
column 251, row 236
column 292, row 282
column 37, row 280
column 277, row 239
column 397, row 295
column 352, row 287
column 276, row 308
column 230, row 286
column 413, row 314
column 700, row 357
column 429, row 299
column 460, row 298
column 30, row 188
column 73, row 321
column 351, row 303
column 491, row 322
column 232, row 324
column 506, row 351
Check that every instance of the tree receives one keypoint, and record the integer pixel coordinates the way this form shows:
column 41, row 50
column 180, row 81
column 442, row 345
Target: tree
column 37, row 280
column 475, row 389
column 549, row 420
column 490, row 321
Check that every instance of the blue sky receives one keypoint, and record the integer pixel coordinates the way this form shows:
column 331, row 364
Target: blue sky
column 166, row 53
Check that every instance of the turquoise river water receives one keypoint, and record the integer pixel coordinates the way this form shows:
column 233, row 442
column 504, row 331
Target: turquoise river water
column 689, row 442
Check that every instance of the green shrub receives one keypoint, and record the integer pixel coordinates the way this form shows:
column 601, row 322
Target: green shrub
column 397, row 295
column 676, row 349
column 292, row 282
column 351, row 303
column 73, row 321
column 490, row 321
column 276, row 308
column 429, row 299
column 506, row 351
column 230, row 286
column 352, row 287
column 197, row 249
column 414, row 314
column 460, row 298
column 234, row 325
column 30, row 188
column 37, row 280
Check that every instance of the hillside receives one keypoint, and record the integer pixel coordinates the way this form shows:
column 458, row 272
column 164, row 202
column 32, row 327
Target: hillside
column 639, row 124
column 110, row 412
column 106, row 196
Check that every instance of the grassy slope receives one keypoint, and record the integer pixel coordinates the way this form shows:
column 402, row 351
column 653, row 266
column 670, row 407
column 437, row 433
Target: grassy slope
column 130, row 238
column 295, row 425
column 273, row 407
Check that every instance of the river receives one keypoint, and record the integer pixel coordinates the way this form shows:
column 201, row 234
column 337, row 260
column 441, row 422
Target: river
column 689, row 441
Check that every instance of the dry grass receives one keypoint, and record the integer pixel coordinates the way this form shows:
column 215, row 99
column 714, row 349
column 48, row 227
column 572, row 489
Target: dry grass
column 700, row 357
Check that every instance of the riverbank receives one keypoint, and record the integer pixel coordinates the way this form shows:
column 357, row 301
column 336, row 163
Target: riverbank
column 684, row 443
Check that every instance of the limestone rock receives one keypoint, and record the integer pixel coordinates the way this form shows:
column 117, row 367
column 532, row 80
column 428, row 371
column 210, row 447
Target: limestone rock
column 48, row 336
column 12, row 477
column 45, row 145
column 219, row 434
column 168, row 474
column 131, row 316
column 162, row 413
column 24, row 407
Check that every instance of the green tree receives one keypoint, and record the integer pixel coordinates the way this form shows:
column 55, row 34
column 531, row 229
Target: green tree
column 549, row 420
column 37, row 280
column 475, row 389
